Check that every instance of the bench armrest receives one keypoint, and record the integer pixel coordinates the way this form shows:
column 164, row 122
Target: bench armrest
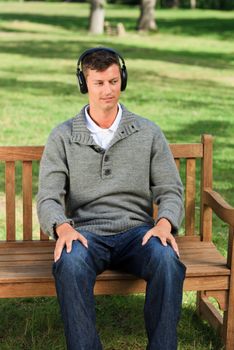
column 222, row 209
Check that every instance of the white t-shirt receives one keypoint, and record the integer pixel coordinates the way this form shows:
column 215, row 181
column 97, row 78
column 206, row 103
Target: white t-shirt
column 102, row 136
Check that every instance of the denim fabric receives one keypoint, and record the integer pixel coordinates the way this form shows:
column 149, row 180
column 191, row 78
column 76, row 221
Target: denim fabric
column 75, row 274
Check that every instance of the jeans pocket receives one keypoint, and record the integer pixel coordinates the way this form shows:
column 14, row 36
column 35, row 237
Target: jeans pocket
column 55, row 266
column 184, row 268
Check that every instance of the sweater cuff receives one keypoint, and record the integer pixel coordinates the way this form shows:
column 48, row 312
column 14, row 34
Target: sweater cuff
column 171, row 218
column 59, row 221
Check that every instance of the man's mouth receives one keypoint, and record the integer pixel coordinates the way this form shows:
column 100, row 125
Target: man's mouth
column 107, row 98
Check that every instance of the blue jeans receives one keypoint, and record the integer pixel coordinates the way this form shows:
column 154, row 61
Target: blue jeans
column 75, row 274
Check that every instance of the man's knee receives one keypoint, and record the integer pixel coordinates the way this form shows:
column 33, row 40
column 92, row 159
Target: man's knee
column 74, row 264
column 163, row 260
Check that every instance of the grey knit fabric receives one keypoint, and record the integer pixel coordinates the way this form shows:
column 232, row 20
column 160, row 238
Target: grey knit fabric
column 108, row 191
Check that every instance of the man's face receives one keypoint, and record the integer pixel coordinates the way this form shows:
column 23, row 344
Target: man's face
column 104, row 88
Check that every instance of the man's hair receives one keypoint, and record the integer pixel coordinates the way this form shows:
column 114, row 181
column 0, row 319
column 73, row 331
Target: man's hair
column 99, row 60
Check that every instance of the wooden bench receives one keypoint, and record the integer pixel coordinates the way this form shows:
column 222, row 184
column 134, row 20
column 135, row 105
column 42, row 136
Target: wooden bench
column 26, row 257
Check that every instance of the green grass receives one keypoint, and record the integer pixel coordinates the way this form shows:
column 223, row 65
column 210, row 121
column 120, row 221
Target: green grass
column 181, row 77
column 35, row 325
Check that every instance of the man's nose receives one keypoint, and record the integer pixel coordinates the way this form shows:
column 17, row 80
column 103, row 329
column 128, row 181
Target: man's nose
column 107, row 88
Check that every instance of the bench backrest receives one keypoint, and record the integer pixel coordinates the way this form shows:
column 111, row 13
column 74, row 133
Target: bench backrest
column 186, row 156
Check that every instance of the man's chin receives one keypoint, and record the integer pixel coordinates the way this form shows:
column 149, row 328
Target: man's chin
column 109, row 105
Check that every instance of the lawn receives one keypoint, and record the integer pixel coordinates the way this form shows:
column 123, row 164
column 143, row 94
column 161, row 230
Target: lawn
column 181, row 77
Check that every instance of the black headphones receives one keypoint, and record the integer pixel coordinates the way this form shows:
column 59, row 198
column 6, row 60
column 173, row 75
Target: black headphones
column 80, row 74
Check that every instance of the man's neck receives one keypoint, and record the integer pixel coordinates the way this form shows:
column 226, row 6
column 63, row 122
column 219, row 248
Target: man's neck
column 103, row 118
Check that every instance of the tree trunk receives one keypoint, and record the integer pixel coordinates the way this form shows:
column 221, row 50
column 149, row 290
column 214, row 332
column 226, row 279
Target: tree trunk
column 146, row 20
column 193, row 4
column 172, row 3
column 97, row 16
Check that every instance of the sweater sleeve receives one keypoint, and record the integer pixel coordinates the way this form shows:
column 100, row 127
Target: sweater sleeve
column 166, row 185
column 52, row 189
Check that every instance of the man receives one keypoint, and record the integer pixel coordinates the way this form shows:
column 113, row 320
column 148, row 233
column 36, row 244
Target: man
column 99, row 175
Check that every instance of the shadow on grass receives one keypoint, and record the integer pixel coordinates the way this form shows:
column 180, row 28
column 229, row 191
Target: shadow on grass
column 72, row 23
column 36, row 324
column 190, row 93
column 194, row 333
column 221, row 27
column 194, row 130
column 210, row 25
column 39, row 88
column 65, row 49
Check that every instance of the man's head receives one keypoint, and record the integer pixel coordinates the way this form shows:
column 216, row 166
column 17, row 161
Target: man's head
column 99, row 59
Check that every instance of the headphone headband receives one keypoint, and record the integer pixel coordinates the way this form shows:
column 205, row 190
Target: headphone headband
column 95, row 49
column 80, row 74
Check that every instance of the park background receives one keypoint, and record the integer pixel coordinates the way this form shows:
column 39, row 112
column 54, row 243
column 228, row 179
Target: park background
column 180, row 76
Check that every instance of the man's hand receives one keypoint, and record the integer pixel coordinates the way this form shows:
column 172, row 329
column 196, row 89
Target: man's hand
column 163, row 231
column 66, row 235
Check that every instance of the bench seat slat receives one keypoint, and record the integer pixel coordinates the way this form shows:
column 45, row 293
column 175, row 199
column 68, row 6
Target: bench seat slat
column 26, row 257
column 45, row 287
column 194, row 256
column 27, row 244
column 25, row 250
column 200, row 269
column 28, row 264
column 18, row 273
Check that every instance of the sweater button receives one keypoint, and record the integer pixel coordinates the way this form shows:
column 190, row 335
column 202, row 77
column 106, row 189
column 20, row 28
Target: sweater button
column 106, row 159
column 107, row 172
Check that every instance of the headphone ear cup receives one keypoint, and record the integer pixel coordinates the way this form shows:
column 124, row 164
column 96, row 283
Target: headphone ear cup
column 124, row 78
column 82, row 82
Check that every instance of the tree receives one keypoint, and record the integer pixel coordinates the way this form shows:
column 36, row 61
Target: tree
column 97, row 16
column 193, row 4
column 172, row 3
column 146, row 20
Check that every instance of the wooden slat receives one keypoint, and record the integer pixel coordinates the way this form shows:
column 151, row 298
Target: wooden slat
column 177, row 161
column 222, row 209
column 10, row 201
column 46, row 287
column 41, row 271
column 24, row 244
column 27, row 199
column 22, row 153
column 29, row 289
column 43, row 237
column 189, row 150
column 221, row 298
column 30, row 258
column 155, row 211
column 206, row 182
column 27, row 153
column 209, row 312
column 228, row 315
column 201, row 258
column 190, row 193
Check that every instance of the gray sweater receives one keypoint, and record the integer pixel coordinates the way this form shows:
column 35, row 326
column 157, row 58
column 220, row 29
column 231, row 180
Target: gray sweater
column 108, row 191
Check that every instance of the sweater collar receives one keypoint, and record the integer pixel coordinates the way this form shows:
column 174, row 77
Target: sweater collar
column 127, row 126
